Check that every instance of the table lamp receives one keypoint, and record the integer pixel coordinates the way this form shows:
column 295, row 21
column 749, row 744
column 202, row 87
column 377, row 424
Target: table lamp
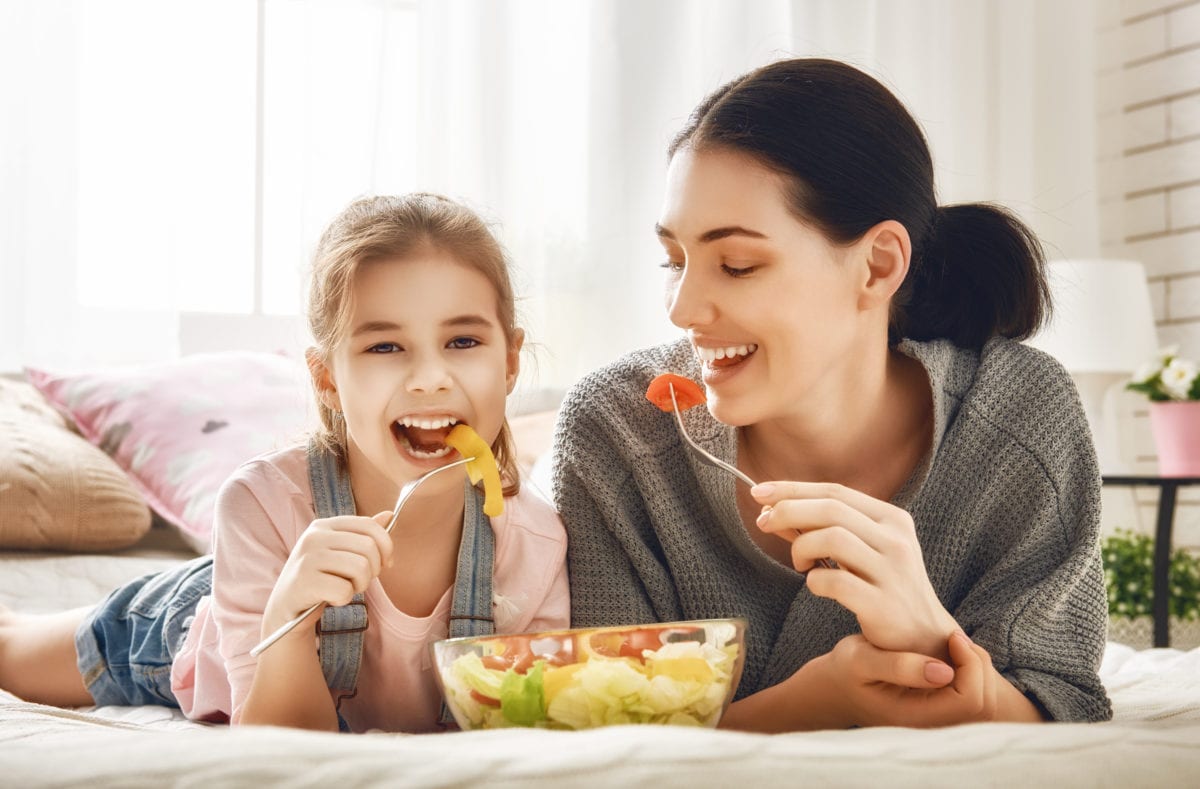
column 1102, row 330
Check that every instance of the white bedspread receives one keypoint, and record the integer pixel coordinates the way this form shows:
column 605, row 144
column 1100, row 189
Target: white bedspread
column 1154, row 739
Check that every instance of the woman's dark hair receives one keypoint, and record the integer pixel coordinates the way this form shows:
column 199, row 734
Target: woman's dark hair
column 853, row 157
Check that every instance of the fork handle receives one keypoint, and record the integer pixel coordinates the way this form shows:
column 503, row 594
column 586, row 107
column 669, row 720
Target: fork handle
column 283, row 630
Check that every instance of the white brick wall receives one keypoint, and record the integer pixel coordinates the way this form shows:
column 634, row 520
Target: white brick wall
column 1149, row 181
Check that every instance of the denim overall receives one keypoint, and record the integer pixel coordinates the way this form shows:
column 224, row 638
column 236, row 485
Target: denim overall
column 127, row 645
column 341, row 627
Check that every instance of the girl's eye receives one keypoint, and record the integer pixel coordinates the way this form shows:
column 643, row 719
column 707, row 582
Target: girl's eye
column 735, row 271
column 384, row 347
column 462, row 343
column 672, row 265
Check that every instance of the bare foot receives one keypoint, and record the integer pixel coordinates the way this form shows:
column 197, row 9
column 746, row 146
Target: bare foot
column 37, row 657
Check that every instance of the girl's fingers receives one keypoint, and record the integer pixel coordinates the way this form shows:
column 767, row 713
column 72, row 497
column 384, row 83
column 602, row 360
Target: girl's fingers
column 381, row 537
column 771, row 493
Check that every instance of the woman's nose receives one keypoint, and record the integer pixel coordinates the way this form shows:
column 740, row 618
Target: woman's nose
column 689, row 304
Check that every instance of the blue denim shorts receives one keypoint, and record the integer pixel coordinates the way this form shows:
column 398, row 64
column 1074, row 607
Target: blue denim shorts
column 126, row 645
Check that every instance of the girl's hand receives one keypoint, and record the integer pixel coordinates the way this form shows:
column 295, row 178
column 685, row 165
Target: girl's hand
column 334, row 559
column 882, row 688
column 880, row 574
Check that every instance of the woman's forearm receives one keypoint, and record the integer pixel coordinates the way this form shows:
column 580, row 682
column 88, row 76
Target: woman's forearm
column 805, row 701
column 289, row 689
column 1013, row 706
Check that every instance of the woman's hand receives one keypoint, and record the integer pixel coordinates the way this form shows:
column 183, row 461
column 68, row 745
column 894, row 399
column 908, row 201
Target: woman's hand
column 334, row 559
column 884, row 688
column 880, row 574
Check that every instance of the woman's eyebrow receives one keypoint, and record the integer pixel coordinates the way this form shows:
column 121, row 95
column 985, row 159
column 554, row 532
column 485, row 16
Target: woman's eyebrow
column 715, row 234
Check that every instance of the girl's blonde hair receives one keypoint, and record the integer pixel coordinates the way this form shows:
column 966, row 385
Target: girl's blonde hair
column 376, row 228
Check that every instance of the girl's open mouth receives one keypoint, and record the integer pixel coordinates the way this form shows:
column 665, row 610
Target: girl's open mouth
column 424, row 437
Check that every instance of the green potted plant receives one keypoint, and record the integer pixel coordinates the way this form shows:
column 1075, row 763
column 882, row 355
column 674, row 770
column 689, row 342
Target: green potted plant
column 1129, row 579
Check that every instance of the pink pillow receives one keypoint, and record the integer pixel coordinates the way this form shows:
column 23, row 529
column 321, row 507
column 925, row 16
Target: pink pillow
column 179, row 429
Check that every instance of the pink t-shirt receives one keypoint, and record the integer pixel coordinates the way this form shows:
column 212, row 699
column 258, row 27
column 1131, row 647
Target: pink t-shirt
column 261, row 512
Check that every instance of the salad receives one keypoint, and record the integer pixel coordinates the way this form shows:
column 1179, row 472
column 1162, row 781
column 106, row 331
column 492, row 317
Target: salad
column 678, row 673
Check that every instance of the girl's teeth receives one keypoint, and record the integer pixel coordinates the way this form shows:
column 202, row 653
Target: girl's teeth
column 429, row 455
column 428, row 423
column 713, row 354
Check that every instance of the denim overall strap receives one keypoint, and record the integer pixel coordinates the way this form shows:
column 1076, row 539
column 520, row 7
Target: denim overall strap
column 340, row 630
column 471, row 603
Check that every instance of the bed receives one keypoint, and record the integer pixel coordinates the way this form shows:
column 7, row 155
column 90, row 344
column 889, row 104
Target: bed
column 1154, row 739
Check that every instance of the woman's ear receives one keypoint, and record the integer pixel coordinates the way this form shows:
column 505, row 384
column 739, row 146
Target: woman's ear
column 513, row 362
column 322, row 378
column 888, row 251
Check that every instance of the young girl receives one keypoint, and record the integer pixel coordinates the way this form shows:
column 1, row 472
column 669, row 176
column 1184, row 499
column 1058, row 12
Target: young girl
column 412, row 311
column 858, row 345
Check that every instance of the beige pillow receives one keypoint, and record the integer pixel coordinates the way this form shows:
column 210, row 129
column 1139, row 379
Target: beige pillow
column 57, row 491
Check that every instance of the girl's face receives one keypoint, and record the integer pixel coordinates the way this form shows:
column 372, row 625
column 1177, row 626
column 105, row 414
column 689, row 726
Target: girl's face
column 424, row 350
column 772, row 308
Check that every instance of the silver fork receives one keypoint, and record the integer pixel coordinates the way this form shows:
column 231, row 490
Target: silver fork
column 405, row 493
column 715, row 461
column 706, row 456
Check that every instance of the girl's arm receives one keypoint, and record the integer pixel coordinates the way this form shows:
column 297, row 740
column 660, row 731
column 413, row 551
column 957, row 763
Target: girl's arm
column 288, row 687
column 334, row 559
column 271, row 563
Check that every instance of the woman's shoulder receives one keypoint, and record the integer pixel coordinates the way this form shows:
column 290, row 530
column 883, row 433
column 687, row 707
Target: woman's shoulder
column 1011, row 393
column 618, row 390
column 609, row 405
column 1024, row 386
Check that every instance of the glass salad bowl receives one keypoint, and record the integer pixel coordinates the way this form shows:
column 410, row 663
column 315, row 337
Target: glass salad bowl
column 678, row 673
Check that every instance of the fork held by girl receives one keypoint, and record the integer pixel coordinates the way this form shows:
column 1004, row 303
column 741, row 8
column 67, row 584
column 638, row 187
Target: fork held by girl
column 412, row 311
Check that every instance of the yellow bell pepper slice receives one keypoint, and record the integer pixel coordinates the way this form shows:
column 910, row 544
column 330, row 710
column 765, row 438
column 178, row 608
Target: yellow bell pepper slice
column 469, row 444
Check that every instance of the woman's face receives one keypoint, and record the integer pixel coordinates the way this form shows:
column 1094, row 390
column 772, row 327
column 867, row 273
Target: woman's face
column 772, row 308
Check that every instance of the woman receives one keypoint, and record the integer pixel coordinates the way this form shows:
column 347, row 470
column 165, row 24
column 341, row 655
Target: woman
column 858, row 346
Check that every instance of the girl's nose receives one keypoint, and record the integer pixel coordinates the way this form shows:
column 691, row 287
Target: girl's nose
column 428, row 374
column 689, row 302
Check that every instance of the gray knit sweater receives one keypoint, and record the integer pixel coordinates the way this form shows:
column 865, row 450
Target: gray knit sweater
column 1006, row 508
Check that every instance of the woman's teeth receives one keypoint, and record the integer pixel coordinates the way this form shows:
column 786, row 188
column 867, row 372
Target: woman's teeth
column 710, row 355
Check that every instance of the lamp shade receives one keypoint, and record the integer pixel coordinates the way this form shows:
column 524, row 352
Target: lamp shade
column 1102, row 321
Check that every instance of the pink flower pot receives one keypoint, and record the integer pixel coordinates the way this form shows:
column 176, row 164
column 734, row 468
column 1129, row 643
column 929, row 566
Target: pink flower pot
column 1176, row 427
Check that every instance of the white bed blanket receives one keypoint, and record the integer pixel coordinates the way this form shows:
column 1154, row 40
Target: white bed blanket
column 1154, row 739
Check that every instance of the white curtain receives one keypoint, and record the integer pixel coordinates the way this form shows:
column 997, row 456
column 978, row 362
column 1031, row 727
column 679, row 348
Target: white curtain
column 550, row 116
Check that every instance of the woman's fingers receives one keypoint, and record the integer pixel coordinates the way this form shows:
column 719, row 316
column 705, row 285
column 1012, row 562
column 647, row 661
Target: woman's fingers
column 840, row 544
column 973, row 667
column 903, row 669
column 811, row 514
column 772, row 493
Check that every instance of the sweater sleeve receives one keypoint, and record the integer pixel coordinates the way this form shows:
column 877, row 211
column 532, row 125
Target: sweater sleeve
column 1039, row 604
column 592, row 493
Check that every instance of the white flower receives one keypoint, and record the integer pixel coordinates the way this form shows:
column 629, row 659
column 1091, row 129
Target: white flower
column 1178, row 377
column 1146, row 372
column 1166, row 354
